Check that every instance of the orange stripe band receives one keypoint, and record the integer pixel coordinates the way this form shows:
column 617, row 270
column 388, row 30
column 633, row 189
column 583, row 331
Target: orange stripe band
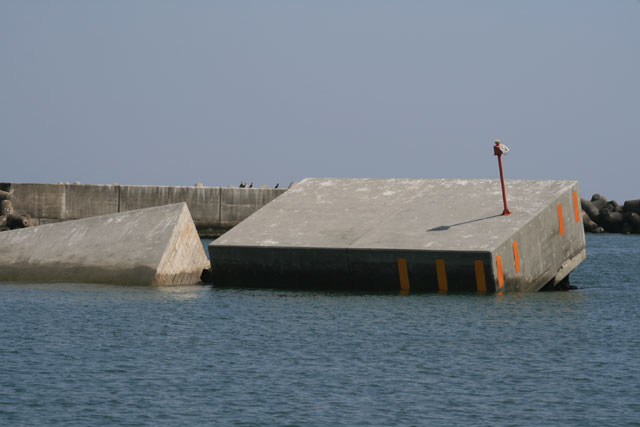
column 576, row 206
column 404, row 274
column 500, row 273
column 560, row 220
column 481, row 282
column 442, row 275
column 516, row 256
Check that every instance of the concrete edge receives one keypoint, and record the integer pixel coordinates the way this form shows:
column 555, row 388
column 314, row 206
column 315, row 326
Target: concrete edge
column 569, row 265
column 539, row 211
column 170, row 243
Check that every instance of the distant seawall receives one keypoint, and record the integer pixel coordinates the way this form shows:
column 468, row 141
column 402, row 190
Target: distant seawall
column 214, row 209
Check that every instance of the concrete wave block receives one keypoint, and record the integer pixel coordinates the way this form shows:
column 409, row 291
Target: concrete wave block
column 153, row 246
column 419, row 234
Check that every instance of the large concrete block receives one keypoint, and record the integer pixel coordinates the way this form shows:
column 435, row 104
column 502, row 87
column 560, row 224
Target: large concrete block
column 236, row 204
column 155, row 246
column 420, row 234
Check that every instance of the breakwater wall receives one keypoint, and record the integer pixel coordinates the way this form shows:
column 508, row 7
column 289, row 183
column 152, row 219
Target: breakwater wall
column 606, row 216
column 214, row 209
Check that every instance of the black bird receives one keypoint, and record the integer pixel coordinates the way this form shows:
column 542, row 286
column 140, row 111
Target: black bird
column 277, row 185
column 242, row 185
column 251, row 185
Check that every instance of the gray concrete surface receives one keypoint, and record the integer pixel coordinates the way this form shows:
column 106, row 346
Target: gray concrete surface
column 236, row 204
column 39, row 200
column 203, row 202
column 214, row 209
column 64, row 201
column 83, row 201
column 350, row 233
column 154, row 246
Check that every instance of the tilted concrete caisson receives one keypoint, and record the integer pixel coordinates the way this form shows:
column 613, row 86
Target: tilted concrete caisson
column 411, row 234
column 153, row 246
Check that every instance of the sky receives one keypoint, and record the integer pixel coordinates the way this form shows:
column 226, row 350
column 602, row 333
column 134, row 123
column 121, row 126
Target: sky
column 220, row 92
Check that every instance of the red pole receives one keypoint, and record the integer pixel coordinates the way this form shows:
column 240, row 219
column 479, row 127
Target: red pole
column 498, row 152
column 504, row 192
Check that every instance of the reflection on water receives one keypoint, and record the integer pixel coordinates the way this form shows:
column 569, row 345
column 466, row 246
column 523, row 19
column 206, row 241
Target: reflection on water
column 93, row 291
column 182, row 293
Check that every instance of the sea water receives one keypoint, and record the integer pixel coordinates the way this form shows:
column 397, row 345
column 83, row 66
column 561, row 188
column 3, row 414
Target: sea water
column 91, row 355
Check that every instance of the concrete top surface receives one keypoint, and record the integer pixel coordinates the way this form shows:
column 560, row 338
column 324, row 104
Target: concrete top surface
column 122, row 240
column 414, row 214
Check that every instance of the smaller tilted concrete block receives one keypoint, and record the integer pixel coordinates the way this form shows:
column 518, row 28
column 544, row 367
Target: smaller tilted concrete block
column 153, row 246
column 409, row 234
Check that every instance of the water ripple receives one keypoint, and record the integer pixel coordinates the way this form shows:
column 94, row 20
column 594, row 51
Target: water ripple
column 78, row 355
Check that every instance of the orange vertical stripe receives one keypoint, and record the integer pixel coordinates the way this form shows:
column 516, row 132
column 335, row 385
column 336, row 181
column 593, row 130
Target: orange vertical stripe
column 404, row 274
column 442, row 275
column 560, row 220
column 481, row 282
column 516, row 256
column 500, row 273
column 576, row 206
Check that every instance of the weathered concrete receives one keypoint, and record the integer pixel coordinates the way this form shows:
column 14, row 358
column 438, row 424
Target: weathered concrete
column 154, row 246
column 422, row 234
column 214, row 209
column 83, row 201
column 203, row 202
column 237, row 204
column 64, row 201
column 40, row 200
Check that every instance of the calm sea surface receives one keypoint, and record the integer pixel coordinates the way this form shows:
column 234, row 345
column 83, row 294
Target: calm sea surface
column 85, row 355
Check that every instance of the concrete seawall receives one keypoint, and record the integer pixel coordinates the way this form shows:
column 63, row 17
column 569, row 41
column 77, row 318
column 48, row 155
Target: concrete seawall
column 214, row 209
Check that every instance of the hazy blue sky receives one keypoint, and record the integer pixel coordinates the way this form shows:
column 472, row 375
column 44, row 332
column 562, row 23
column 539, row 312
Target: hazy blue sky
column 179, row 92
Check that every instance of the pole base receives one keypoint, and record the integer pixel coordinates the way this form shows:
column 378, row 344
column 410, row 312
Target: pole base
column 506, row 212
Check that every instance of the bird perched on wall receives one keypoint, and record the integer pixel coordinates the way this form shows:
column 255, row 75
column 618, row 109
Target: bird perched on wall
column 242, row 184
column 251, row 185
column 277, row 185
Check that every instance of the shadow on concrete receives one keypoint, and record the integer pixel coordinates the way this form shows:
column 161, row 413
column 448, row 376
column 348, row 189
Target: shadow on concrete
column 446, row 227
